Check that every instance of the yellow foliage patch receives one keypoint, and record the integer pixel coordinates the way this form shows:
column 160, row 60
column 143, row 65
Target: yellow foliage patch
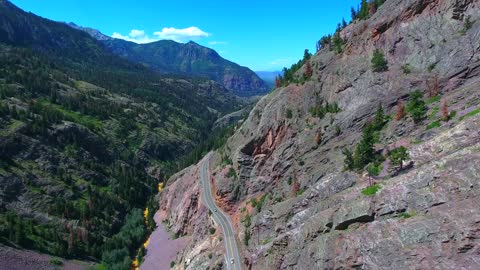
column 160, row 187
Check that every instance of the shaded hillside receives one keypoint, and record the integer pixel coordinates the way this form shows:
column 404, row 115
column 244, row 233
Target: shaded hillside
column 367, row 156
column 170, row 57
column 86, row 137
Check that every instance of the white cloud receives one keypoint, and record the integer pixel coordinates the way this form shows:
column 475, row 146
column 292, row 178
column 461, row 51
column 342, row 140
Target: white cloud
column 137, row 33
column 217, row 43
column 179, row 35
column 137, row 36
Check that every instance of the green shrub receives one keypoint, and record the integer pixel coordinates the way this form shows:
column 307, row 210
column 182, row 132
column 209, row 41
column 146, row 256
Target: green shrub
column 338, row 130
column 434, row 99
column 406, row 215
column 374, row 169
column 56, row 262
column 379, row 63
column 434, row 113
column 470, row 114
column 406, row 69
column 246, row 237
column 452, row 114
column 289, row 113
column 232, row 173
column 212, row 230
column 467, row 25
column 301, row 191
column 371, row 190
column 431, row 67
column 435, row 124
column 260, row 203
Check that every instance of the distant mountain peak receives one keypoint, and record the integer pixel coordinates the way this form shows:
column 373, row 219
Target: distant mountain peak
column 91, row 31
column 191, row 59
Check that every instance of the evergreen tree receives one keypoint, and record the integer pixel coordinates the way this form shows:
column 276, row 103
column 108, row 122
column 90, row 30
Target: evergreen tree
column 337, row 42
column 379, row 63
column 364, row 10
column 373, row 170
column 398, row 156
column 365, row 152
column 416, row 106
column 380, row 118
column 323, row 42
column 354, row 13
column 306, row 55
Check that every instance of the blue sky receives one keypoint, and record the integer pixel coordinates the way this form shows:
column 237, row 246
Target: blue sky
column 262, row 35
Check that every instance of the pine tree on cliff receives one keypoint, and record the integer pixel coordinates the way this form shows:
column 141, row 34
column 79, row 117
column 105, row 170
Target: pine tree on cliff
column 306, row 55
column 398, row 156
column 380, row 118
column 364, row 10
column 365, row 152
column 354, row 13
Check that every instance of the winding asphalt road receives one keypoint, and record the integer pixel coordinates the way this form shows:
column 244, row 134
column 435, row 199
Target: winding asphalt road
column 220, row 218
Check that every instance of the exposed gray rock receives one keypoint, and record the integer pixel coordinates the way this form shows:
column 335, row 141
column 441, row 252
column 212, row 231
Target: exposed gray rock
column 315, row 215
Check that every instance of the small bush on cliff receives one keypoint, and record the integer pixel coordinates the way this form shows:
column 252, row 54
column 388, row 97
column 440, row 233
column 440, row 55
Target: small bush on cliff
column 379, row 63
column 371, row 190
column 466, row 26
column 406, row 69
column 232, row 173
column 289, row 113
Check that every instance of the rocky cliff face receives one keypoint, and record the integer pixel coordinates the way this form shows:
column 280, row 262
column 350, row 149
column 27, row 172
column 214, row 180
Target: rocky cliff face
column 293, row 205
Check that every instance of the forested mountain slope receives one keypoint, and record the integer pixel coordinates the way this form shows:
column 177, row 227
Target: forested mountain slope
column 170, row 57
column 86, row 137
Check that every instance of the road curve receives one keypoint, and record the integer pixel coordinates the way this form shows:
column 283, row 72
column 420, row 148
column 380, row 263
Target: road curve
column 220, row 218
